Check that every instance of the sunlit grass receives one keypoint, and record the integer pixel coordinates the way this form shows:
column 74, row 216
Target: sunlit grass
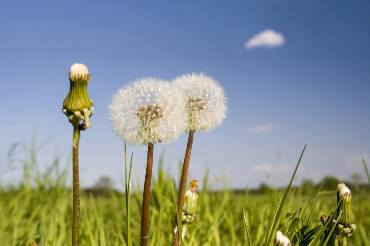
column 40, row 210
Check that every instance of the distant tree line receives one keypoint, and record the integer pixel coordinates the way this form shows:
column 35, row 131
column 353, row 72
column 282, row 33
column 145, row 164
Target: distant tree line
column 328, row 183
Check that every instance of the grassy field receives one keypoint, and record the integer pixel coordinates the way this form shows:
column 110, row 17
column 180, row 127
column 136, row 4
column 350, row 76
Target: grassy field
column 39, row 210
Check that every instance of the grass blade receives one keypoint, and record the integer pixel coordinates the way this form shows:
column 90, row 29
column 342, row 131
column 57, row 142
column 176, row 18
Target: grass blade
column 127, row 196
column 329, row 237
column 366, row 169
column 279, row 209
column 246, row 227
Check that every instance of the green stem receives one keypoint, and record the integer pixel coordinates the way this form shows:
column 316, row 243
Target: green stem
column 127, row 191
column 76, row 187
column 182, row 188
column 336, row 243
column 146, row 197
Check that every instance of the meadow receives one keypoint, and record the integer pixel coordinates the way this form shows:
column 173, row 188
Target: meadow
column 38, row 210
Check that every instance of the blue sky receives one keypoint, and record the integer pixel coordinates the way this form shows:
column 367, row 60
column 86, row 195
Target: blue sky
column 310, row 86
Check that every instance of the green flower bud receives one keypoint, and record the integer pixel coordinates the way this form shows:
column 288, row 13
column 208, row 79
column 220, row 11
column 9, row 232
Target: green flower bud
column 344, row 199
column 190, row 205
column 191, row 197
column 77, row 105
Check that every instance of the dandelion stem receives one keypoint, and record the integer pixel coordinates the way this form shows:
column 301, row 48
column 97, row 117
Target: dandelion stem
column 76, row 186
column 182, row 188
column 146, row 197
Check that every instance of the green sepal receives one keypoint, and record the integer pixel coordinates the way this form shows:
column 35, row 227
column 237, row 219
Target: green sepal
column 78, row 96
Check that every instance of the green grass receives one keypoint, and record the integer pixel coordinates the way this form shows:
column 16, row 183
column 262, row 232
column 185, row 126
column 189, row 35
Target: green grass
column 40, row 210
column 45, row 216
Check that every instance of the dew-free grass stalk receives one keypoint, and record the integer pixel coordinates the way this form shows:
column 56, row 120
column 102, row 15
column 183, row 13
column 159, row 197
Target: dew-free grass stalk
column 246, row 228
column 146, row 197
column 127, row 198
column 182, row 188
column 366, row 169
column 76, row 185
column 279, row 209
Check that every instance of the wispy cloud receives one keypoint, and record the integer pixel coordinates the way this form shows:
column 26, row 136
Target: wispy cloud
column 269, row 168
column 261, row 128
column 267, row 38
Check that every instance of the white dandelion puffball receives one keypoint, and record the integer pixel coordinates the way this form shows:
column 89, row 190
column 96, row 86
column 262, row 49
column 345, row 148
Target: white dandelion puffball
column 205, row 101
column 343, row 191
column 147, row 111
column 282, row 240
column 78, row 69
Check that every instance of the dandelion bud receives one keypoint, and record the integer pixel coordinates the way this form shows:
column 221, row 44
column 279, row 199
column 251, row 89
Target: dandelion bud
column 282, row 240
column 344, row 218
column 78, row 105
column 343, row 192
column 191, row 197
column 189, row 215
column 190, row 204
column 344, row 201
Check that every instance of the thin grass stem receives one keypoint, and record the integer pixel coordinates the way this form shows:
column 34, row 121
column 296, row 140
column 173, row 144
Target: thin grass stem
column 280, row 206
column 246, row 229
column 366, row 169
column 127, row 196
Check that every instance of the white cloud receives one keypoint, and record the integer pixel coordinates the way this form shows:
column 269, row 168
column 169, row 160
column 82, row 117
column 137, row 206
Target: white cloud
column 261, row 128
column 267, row 38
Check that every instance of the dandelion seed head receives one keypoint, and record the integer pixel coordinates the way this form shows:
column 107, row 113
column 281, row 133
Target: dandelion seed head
column 147, row 111
column 205, row 101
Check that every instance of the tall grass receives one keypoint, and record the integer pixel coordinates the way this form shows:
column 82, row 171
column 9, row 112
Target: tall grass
column 364, row 163
column 128, row 172
column 40, row 212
